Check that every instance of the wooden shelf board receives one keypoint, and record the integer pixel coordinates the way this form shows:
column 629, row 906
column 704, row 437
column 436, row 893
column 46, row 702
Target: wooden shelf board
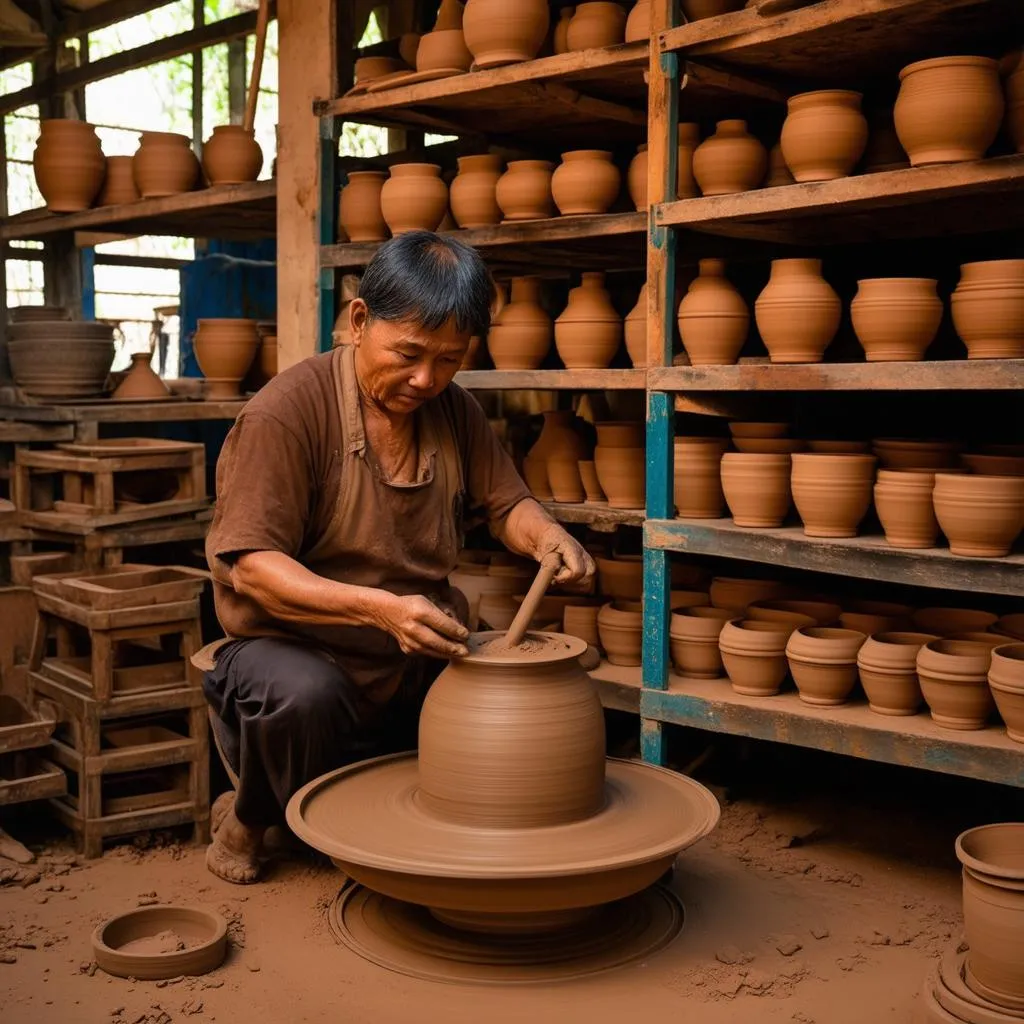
column 598, row 516
column 618, row 686
column 124, row 412
column 552, row 380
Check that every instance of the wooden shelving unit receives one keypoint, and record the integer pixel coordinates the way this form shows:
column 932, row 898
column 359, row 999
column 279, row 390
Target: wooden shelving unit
column 552, row 380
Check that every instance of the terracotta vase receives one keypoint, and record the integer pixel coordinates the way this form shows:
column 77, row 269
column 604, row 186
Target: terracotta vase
column 778, row 173
column 588, row 332
column 756, row 488
column 359, row 209
column 693, row 640
column 620, row 434
column 903, row 501
column 521, row 334
column 231, row 155
column 501, row 33
column 621, row 578
column 414, row 198
column 883, row 152
column 638, row 24
column 620, row 471
column 636, row 178
column 954, row 682
column 887, row 665
column 713, row 318
column 580, row 620
column 118, row 183
column 697, row 479
column 560, row 38
column 832, row 493
column 564, row 480
column 558, row 438
column 696, row 10
column 981, row 516
column 524, row 190
column 472, row 192
column 824, row 134
column 948, row 109
column 591, row 485
column 754, row 655
column 443, row 50
column 620, row 628
column 731, row 592
column 60, row 358
column 586, row 181
column 795, row 613
column 635, row 330
column 225, row 349
column 798, row 312
column 906, row 453
column 69, row 164
column 823, row 663
column 988, row 309
column 731, row 160
column 141, row 380
column 164, row 165
column 596, row 24
column 1006, row 681
column 945, row 621
column 896, row 318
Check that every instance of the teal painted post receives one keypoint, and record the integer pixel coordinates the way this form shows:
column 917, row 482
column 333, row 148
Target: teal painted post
column 328, row 225
column 87, row 261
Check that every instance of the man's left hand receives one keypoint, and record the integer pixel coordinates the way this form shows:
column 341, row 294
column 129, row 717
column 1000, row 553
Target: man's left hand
column 577, row 565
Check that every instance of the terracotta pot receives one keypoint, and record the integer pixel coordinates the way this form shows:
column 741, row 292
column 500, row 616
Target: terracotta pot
column 693, row 640
column 588, row 332
column 414, row 198
column 524, row 190
column 69, row 164
column 620, row 472
column 521, row 334
column 591, row 486
column 756, row 488
column 832, row 493
column 621, row 434
column 61, row 358
column 981, row 516
column 883, row 152
column 823, row 663
column 870, row 617
column 596, row 24
column 231, row 155
column 560, row 38
column 638, row 24
column 1010, row 625
column 954, row 681
column 777, row 173
column 887, row 663
column 141, row 380
column 535, row 473
column 696, row 10
column 164, row 165
column 620, row 627
column 636, row 178
column 768, row 445
column 731, row 160
column 713, row 318
column 586, row 181
column 224, row 349
column 564, row 480
column 900, row 453
column 758, row 429
column 621, row 578
column 832, row 447
column 697, row 478
column 945, row 621
column 558, row 439
column 896, row 318
column 118, row 183
column 903, row 501
column 800, row 613
column 754, row 655
column 501, row 33
column 948, row 109
column 443, row 49
column 635, row 331
column 988, row 309
column 449, row 17
column 824, row 134
column 266, row 358
column 1006, row 681
column 688, row 138
column 473, row 191
column 797, row 313
column 580, row 620
column 730, row 592
column 994, row 465
column 359, row 211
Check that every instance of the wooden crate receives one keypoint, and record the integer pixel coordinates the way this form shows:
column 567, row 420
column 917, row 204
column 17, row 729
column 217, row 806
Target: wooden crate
column 26, row 775
column 22, row 728
column 124, row 586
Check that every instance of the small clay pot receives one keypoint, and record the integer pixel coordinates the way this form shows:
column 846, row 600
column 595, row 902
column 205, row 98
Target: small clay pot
column 946, row 621
column 697, row 10
column 739, row 594
column 501, row 33
column 588, row 332
column 697, row 480
column 69, row 164
column 988, row 309
column 800, row 613
column 524, row 191
column 887, row 663
column 900, row 453
column 621, row 578
column 620, row 627
column 832, row 493
column 620, row 472
column 693, row 640
column 473, row 191
column 1006, row 681
column 824, row 134
column 870, row 617
column 560, row 36
column 896, row 318
column 638, row 24
column 359, row 209
column 754, row 655
column 225, row 349
column 521, row 334
column 231, row 155
column 778, row 173
column 141, row 381
column 903, row 501
column 634, row 329
column 586, row 181
column 954, row 681
column 981, row 516
column 443, row 50
column 798, row 312
column 564, row 479
column 414, row 198
column 757, row 488
column 731, row 160
column 591, row 485
column 713, row 318
column 620, row 434
column 994, row 465
column 768, row 445
column 823, row 663
column 595, row 24
column 164, row 165
column 118, row 183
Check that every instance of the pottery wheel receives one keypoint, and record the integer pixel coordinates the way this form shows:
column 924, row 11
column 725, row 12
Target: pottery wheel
column 408, row 939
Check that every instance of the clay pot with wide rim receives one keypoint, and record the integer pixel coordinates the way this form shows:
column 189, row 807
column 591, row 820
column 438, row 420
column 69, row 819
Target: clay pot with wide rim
column 798, row 312
column 596, row 24
column 118, row 183
column 731, row 592
column 164, row 165
column 896, row 318
column 887, row 663
column 954, row 681
column 585, row 182
column 60, row 358
column 824, row 134
column 634, row 329
column 903, row 501
column 414, row 198
column 231, row 155
column 713, row 317
column 902, row 453
column 823, row 663
column 754, row 655
column 729, row 161
column 946, row 621
column 359, row 209
column 499, row 33
column 697, row 477
column 870, row 617
column 588, row 332
column 832, row 493
column 524, row 191
column 697, row 10
column 988, row 309
column 638, row 24
column 225, row 348
column 756, row 488
column 591, row 485
column 1006, row 681
column 69, row 164
column 981, row 516
column 620, row 471
column 800, row 613
column 473, row 191
column 560, row 35
column 141, row 381
column 621, row 578
column 620, row 627
column 521, row 334
column 948, row 109
column 693, row 640
column 443, row 50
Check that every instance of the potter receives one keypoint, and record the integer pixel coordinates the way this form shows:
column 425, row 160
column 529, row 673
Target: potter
column 342, row 491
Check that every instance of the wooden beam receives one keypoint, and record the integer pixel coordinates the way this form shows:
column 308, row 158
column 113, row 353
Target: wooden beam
column 552, row 380
column 109, row 12
column 600, row 110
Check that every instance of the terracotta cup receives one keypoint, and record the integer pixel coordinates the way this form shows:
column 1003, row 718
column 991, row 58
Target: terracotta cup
column 981, row 516
column 896, row 318
column 754, row 655
column 693, row 640
column 954, row 682
column 887, row 665
column 620, row 627
column 824, row 134
column 832, row 493
column 823, row 662
column 757, row 488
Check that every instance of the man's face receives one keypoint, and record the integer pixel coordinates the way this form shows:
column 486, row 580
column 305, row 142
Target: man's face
column 401, row 365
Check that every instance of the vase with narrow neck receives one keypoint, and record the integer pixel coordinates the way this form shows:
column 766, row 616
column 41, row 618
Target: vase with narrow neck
column 731, row 160
column 473, row 191
column 713, row 317
column 524, row 190
column 414, row 198
column 498, row 32
column 586, row 182
column 141, row 381
column 69, row 164
column 798, row 312
column 824, row 134
column 588, row 333
column 359, row 209
column 522, row 332
column 988, row 309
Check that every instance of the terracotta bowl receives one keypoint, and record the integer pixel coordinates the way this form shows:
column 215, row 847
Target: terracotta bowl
column 768, row 445
column 758, row 429
column 822, row 613
column 944, row 621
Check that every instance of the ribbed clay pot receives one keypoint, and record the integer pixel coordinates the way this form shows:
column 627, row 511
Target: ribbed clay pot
column 731, row 592
column 621, row 578
column 713, row 318
column 988, row 309
column 754, row 655
column 903, row 501
column 1006, row 681
column 521, row 334
column 524, row 191
column 620, row 627
column 634, row 329
column 697, row 477
column 731, row 160
column 231, row 155
column 498, row 32
column 560, row 35
column 414, row 198
column 832, row 493
column 60, row 359
column 907, row 453
column 118, row 183
column 620, row 471
column 693, row 640
column 798, row 312
column 225, row 349
column 800, row 613
column 887, row 663
column 948, row 109
column 69, row 164
column 696, row 10
column 896, row 318
column 597, row 23
column 588, row 332
column 824, row 134
column 954, row 680
column 823, row 663
column 638, row 24
column 591, row 485
column 359, row 209
column 141, row 380
column 870, row 617
column 756, row 488
column 946, row 621
column 585, row 182
column 473, row 191
column 981, row 516
column 164, row 165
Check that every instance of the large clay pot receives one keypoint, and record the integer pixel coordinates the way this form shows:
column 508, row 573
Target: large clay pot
column 620, row 472
column 887, row 664
column 906, row 453
column 560, row 36
column 638, row 24
column 414, row 198
column 903, row 501
column 164, row 165
column 757, row 488
column 498, row 32
column 588, row 332
column 731, row 160
column 231, row 155
column 713, row 318
column 359, row 210
column 754, row 655
column 693, row 640
column 621, row 578
column 824, row 134
column 954, row 680
column 731, row 592
column 521, row 334
column 832, row 493
column 472, row 192
column 823, row 663
column 896, row 318
column 225, row 349
column 586, row 181
column 946, row 621
column 620, row 628
column 141, row 380
column 596, row 23
column 696, row 10
column 1006, row 681
column 443, row 50
column 634, row 329
column 697, row 480
column 591, row 485
column 797, row 313
column 60, row 358
column 118, row 183
column 69, row 164
column 988, row 309
column 981, row 516
column 524, row 190
column 948, row 109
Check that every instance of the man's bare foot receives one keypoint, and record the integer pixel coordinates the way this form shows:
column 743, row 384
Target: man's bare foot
column 232, row 853
column 219, row 809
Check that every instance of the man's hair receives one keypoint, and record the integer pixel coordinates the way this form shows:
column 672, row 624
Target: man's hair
column 427, row 279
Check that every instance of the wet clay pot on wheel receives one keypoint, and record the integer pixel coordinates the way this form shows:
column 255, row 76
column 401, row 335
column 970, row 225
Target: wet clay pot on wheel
column 693, row 640
column 473, row 191
column 713, row 318
column 498, row 32
column 596, row 24
column 697, row 477
column 823, row 663
column 1006, row 681
column 620, row 626
column 981, row 516
column 620, row 471
column 757, row 488
column 69, row 164
column 824, row 134
column 634, row 330
column 225, row 349
column 896, row 318
column 903, row 501
column 585, row 182
column 887, row 663
column 164, row 165
column 521, row 334
column 588, row 332
column 729, row 161
column 141, row 381
column 954, row 681
column 524, row 191
column 359, row 210
column 414, row 198
column 832, row 493
column 988, row 309
column 118, row 183
column 754, row 655
column 798, row 312
column 231, row 155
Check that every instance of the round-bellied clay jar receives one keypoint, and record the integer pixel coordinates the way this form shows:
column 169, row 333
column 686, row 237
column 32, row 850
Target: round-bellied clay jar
column 798, row 312
column 754, row 655
column 832, row 493
column 757, row 488
column 896, row 318
column 69, row 164
column 620, row 471
column 713, row 318
column 359, row 209
column 903, row 501
column 225, row 348
column 954, row 681
column 693, row 640
column 1006, row 681
column 414, row 198
column 164, row 165
column 823, row 663
column 824, row 134
column 731, row 160
column 595, row 24
column 620, row 626
column 231, row 155
column 524, row 191
column 981, row 516
column 498, row 32
column 560, row 35
column 585, row 182
column 697, row 477
column 521, row 334
column 588, row 332
column 118, row 183
column 988, row 309
column 473, row 191
column 887, row 664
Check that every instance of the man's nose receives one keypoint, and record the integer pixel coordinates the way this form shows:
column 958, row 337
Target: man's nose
column 423, row 376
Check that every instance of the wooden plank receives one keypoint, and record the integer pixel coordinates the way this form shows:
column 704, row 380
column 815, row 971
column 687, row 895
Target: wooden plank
column 599, row 516
column 119, row 706
column 81, row 525
column 157, row 615
column 125, row 412
column 552, row 380
column 25, row 433
column 43, row 780
column 618, row 686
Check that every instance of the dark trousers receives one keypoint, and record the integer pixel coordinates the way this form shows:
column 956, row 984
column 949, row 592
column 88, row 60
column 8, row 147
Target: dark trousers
column 287, row 713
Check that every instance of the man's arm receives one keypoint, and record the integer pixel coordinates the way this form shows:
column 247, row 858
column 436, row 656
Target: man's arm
column 529, row 530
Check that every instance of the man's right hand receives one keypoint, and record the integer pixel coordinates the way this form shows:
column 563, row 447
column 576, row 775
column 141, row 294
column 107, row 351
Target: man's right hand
column 420, row 627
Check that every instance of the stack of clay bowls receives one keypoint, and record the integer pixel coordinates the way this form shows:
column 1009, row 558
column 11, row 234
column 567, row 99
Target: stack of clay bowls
column 588, row 332
column 620, row 464
column 60, row 358
column 225, row 348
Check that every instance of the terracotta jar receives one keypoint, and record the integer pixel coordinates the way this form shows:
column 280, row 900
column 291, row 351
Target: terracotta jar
column 697, row 477
column 800, row 613
column 621, row 578
column 141, row 381
column 948, row 109
column 870, row 617
column 588, row 332
column 754, row 655
column 1006, row 681
column 620, row 628
column 473, row 191
column 524, row 190
column 713, row 318
column 69, row 164
column 443, row 50
column 756, row 488
column 638, row 24
column 591, row 485
column 832, row 493
column 620, row 471
column 693, row 640
column 896, row 318
column 731, row 160
column 988, row 309
column 564, row 480
column 905, row 453
column 903, row 501
column 887, row 664
column 778, row 173
column 225, row 349
column 945, row 621
column 824, row 134
column 597, row 23
column 359, row 211
column 164, row 165
column 823, row 663
column 498, row 32
column 118, row 183
column 620, row 434
column 414, row 198
column 981, row 516
column 635, row 330
column 522, row 332
column 696, row 10
column 560, row 37
column 954, row 681
column 558, row 438
column 586, row 181
column 231, row 155
column 797, row 313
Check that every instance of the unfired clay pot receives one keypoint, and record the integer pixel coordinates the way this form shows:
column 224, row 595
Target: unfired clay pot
column 946, row 621
column 954, row 681
column 638, row 24
column 754, row 655
column 473, row 191
column 231, row 155
column 634, row 329
column 823, row 663
column 903, row 501
column 908, row 453
column 697, row 479
column 118, row 183
column 359, row 209
column 824, row 134
column 832, row 493
column 798, row 312
column 521, row 334
column 620, row 627
column 564, row 480
column 731, row 160
column 948, row 109
column 69, row 164
column 558, row 438
column 756, row 488
column 713, row 318
column 870, row 617
column 695, row 10
column 1006, row 681
column 498, row 32
column 981, row 516
column 596, row 23
column 988, row 309
column 141, row 380
column 588, row 332
column 560, row 36
column 414, row 198
column 887, row 663
column 443, row 50
column 586, row 181
column 164, row 165
column 693, row 640
column 794, row 612
column 620, row 434
column 896, row 318
column 524, row 190
column 621, row 577
column 620, row 472
column 224, row 349
column 731, row 592
column 580, row 620
column 60, row 358
column 591, row 485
